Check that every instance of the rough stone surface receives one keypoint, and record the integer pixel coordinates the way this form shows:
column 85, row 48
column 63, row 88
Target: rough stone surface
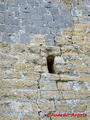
column 28, row 89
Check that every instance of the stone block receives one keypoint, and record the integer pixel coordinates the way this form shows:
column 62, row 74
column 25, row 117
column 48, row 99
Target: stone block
column 25, row 84
column 5, row 84
column 30, row 95
column 63, row 107
column 45, row 105
column 12, row 75
column 26, row 107
column 37, row 39
column 30, row 117
column 32, row 76
column 6, row 95
column 50, row 95
column 80, row 107
column 5, row 107
column 8, row 117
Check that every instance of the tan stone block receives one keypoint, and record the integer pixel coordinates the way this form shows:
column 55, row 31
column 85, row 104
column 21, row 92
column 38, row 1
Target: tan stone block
column 64, row 86
column 78, row 27
column 18, row 49
column 45, row 105
column 80, row 107
column 88, row 44
column 27, row 107
column 12, row 75
column 84, row 77
column 5, row 84
column 33, row 49
column 6, row 95
column 37, row 68
column 56, row 95
column 7, row 61
column 79, row 42
column 30, row 117
column 49, row 77
column 37, row 39
column 81, row 67
column 35, row 59
column 67, row 49
column 35, row 108
column 4, row 107
column 43, row 61
column 88, row 106
column 48, row 85
column 67, row 31
column 24, row 84
column 30, row 95
column 32, row 75
column 19, row 67
column 29, row 67
column 81, row 27
column 61, row 40
column 65, row 77
column 77, row 38
column 83, row 87
column 76, row 95
column 86, row 60
column 86, row 49
column 62, row 107
column 21, row 58
column 5, row 47
column 9, row 2
column 76, row 33
column 70, row 54
column 69, row 95
column 32, row 58
column 8, row 117
column 44, row 69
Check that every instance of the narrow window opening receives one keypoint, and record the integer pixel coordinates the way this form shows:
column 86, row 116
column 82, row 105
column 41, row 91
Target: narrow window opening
column 50, row 64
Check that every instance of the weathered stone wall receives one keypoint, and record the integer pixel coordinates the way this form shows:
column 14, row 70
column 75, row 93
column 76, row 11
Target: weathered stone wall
column 27, row 90
column 20, row 18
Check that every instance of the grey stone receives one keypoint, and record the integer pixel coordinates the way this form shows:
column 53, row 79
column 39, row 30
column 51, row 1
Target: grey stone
column 36, row 17
column 12, row 21
column 44, row 30
column 1, row 19
column 12, row 29
column 3, row 28
column 24, row 16
column 25, row 38
column 40, row 16
column 6, row 38
column 2, row 7
column 21, row 2
column 49, row 40
column 37, row 23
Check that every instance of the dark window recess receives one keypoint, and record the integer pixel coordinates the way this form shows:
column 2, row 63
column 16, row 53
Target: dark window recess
column 50, row 64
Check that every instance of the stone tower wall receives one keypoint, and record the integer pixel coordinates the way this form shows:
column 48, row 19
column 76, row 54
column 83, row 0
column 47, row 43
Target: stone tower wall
column 29, row 87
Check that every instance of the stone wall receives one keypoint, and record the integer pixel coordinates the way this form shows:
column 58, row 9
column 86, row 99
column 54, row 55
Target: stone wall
column 20, row 18
column 28, row 91
column 36, row 79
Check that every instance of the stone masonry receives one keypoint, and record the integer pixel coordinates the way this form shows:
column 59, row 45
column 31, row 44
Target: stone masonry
column 44, row 59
